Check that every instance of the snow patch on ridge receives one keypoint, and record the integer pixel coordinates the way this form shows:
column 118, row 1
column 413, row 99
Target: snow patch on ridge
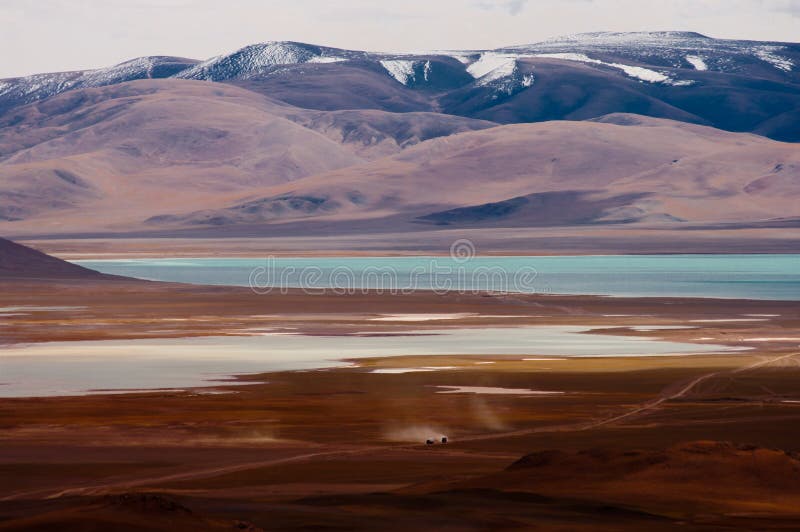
column 493, row 62
column 400, row 69
column 767, row 54
column 506, row 83
column 640, row 73
column 644, row 74
column 404, row 70
column 568, row 56
column 500, row 71
column 697, row 62
column 681, row 82
column 326, row 59
column 464, row 59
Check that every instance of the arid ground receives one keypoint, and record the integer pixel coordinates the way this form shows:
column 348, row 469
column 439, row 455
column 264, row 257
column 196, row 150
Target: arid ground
column 707, row 442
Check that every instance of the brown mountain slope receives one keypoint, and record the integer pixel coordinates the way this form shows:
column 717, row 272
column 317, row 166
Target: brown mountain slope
column 108, row 158
column 22, row 262
column 702, row 477
column 165, row 155
column 620, row 169
column 119, row 151
column 373, row 134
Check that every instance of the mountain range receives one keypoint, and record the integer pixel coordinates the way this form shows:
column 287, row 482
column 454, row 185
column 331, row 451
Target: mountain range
column 672, row 129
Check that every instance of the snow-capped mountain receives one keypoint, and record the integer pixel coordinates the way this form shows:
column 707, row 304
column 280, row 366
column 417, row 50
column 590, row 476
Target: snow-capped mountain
column 258, row 59
column 679, row 75
column 672, row 49
column 20, row 91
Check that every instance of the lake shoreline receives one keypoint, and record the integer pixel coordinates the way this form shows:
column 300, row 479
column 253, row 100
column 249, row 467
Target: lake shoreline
column 127, row 316
column 749, row 276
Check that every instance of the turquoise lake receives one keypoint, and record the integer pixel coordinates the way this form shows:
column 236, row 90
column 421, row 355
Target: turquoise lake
column 774, row 277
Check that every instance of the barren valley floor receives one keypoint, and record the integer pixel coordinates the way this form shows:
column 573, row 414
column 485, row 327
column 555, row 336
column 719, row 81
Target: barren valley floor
column 705, row 441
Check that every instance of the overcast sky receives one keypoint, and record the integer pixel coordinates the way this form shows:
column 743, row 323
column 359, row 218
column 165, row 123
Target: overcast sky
column 54, row 35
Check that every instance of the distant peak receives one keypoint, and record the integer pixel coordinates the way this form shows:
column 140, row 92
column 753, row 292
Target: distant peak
column 629, row 35
column 152, row 60
column 281, row 44
column 691, row 34
column 255, row 59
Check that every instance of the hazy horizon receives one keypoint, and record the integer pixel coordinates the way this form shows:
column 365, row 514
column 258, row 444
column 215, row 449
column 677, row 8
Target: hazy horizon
column 58, row 35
